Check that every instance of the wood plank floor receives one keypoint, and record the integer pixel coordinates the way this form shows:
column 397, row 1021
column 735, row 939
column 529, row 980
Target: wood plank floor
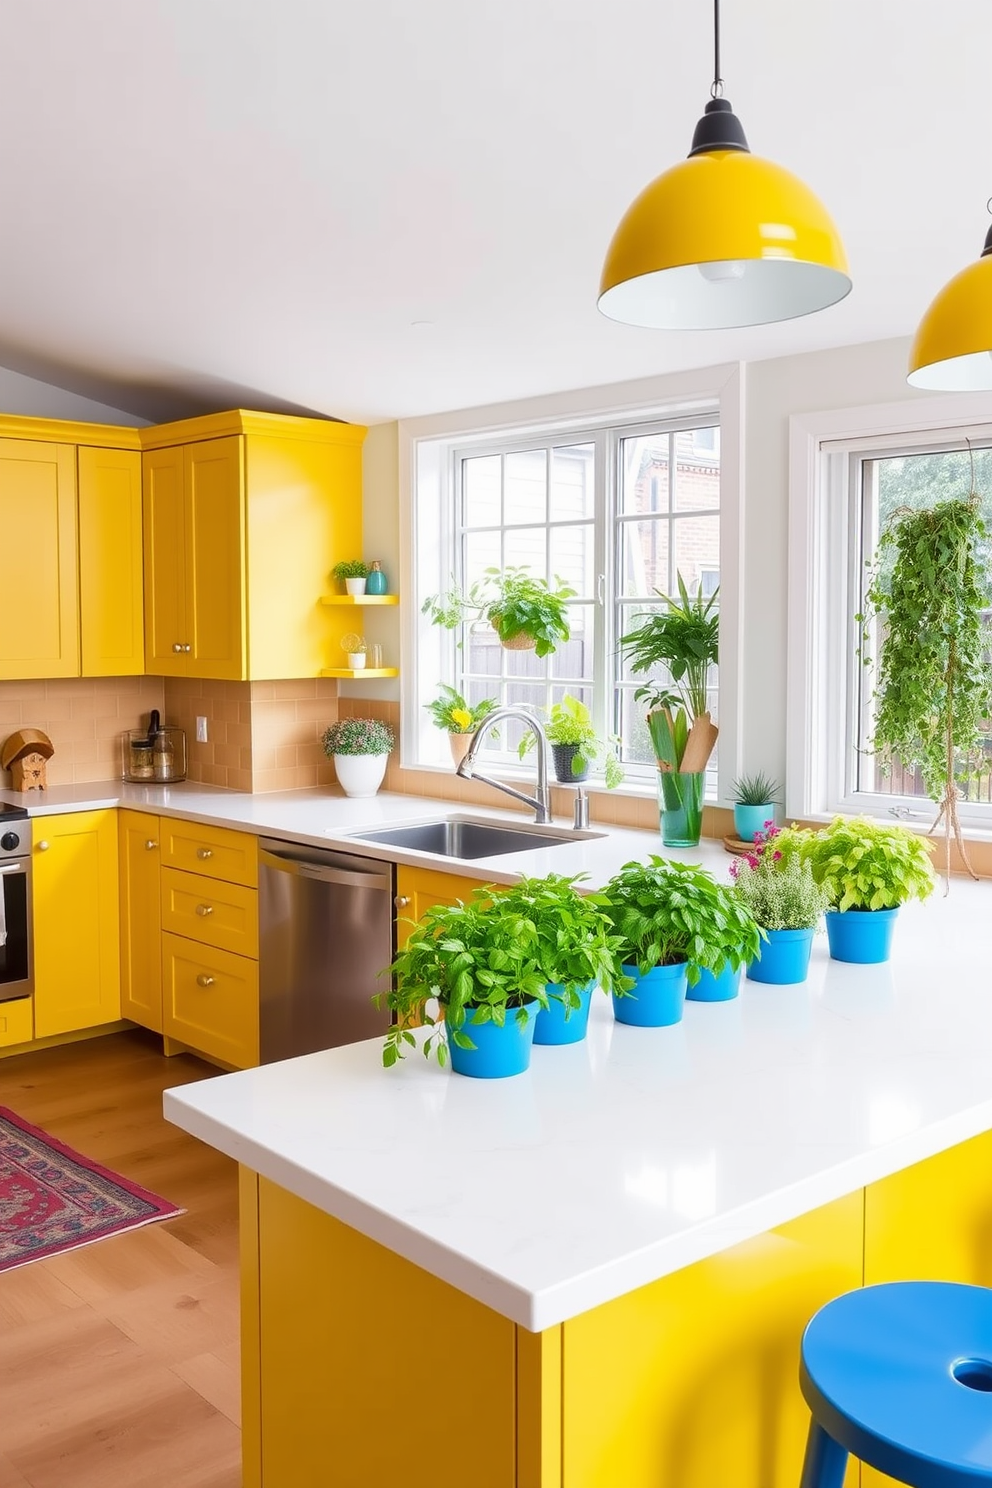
column 119, row 1362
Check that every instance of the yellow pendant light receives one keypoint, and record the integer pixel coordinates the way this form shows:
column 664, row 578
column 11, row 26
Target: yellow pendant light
column 952, row 351
column 723, row 239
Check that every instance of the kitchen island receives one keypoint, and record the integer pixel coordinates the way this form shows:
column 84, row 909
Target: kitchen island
column 596, row 1275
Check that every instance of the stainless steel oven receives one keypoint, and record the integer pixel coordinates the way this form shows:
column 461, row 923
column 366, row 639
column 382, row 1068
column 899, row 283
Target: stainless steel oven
column 16, row 949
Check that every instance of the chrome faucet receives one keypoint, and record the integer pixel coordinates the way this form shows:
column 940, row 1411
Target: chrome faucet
column 541, row 802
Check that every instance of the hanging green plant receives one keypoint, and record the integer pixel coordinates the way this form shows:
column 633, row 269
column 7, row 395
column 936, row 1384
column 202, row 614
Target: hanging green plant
column 933, row 693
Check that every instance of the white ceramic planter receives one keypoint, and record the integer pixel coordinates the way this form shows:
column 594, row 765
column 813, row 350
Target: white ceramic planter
column 354, row 586
column 356, row 660
column 360, row 774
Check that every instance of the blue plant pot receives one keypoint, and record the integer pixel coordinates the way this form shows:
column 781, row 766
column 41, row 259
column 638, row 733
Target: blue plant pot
column 783, row 957
column 552, row 1026
column 498, row 1051
column 376, row 582
column 861, row 935
column 656, row 999
column 751, row 819
column 711, row 988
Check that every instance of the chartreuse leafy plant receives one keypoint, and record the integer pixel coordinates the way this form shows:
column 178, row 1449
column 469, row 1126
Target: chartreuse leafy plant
column 351, row 568
column 576, row 942
column 933, row 691
column 450, row 711
column 778, row 887
column 864, row 864
column 667, row 912
column 518, row 605
column 570, row 722
column 483, row 954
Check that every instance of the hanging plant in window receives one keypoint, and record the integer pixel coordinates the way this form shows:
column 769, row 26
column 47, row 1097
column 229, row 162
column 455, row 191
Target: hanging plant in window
column 933, row 695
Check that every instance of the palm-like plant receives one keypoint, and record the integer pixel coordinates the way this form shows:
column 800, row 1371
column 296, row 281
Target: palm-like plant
column 683, row 638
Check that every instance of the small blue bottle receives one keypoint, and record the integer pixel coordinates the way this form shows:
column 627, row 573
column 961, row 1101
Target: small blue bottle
column 376, row 581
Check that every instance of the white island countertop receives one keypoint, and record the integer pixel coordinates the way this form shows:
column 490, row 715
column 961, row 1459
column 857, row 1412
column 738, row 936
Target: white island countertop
column 617, row 1161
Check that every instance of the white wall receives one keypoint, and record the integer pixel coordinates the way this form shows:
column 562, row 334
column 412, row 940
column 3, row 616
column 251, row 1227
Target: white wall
column 381, row 539
column 30, row 398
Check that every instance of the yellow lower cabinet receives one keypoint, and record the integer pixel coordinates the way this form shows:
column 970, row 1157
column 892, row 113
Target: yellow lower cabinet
column 210, row 1000
column 76, row 922
column 693, row 1381
column 141, row 919
column 221, row 914
column 419, row 889
column 16, row 1022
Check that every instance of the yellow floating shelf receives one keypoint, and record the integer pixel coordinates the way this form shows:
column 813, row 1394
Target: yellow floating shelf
column 362, row 672
column 360, row 599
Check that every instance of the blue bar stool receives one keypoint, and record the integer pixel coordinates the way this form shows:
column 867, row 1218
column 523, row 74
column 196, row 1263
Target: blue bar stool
column 900, row 1376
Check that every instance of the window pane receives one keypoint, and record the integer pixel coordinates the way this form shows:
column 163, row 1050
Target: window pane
column 697, row 473
column 526, row 547
column 574, row 659
column 644, row 562
column 482, row 652
column 697, row 551
column 644, row 474
column 482, row 551
column 572, row 490
column 526, row 495
column 481, row 490
column 635, row 737
column 573, row 556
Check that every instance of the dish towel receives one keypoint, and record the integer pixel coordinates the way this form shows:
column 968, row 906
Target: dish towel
column 3, row 915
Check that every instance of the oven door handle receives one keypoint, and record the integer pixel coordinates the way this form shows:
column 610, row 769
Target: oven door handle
column 12, row 868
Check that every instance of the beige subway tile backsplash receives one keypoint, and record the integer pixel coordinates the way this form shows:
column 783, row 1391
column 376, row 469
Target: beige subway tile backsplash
column 83, row 716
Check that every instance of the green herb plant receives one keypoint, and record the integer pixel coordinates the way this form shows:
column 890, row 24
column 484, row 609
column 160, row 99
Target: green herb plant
column 358, row 736
column 482, row 955
column 515, row 603
column 682, row 640
column 350, row 568
column 668, row 912
column 576, row 942
column 570, row 722
column 864, row 864
column 450, row 711
column 755, row 790
column 933, row 690
column 778, row 888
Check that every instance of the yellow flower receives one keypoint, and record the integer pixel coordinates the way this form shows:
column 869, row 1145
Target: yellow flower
column 463, row 718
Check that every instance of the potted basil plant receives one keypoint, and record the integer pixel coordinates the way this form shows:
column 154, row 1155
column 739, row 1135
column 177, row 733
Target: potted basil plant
column 575, row 745
column 481, row 961
column 779, row 890
column 675, row 921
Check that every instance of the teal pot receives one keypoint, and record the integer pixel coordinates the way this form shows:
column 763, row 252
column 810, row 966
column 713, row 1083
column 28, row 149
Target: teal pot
column 680, row 803
column 783, row 958
column 563, row 757
column 751, row 819
column 655, row 1000
column 713, row 988
column 376, row 582
column 557, row 1024
column 499, row 1051
column 861, row 935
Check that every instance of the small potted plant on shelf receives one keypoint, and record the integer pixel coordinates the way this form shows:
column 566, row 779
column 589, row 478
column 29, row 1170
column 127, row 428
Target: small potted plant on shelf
column 526, row 612
column 754, row 805
column 674, row 920
column 682, row 640
column 353, row 573
column 577, row 950
column 575, row 744
column 867, row 869
column 778, row 889
column 354, row 648
column 450, row 711
column 360, row 748
column 481, row 961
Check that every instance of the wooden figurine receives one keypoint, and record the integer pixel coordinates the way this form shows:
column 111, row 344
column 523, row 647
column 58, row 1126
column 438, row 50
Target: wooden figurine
column 26, row 754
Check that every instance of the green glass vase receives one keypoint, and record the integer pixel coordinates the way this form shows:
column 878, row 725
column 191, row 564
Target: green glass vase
column 680, row 802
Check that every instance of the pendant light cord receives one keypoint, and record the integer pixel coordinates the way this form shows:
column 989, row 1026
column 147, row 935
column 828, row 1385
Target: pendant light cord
column 716, row 87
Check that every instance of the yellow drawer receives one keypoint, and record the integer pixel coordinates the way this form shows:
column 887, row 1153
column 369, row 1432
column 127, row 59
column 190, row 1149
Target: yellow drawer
column 16, row 1021
column 210, row 1000
column 213, row 851
column 224, row 915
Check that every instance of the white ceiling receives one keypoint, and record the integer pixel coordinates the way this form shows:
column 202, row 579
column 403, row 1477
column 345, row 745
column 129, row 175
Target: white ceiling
column 205, row 202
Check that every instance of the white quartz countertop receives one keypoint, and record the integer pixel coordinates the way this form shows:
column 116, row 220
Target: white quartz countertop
column 616, row 1161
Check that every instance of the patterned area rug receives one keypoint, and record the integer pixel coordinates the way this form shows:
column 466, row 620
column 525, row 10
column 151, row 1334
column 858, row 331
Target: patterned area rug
column 53, row 1199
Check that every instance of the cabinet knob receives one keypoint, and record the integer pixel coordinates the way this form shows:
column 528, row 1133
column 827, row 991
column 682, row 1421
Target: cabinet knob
column 401, row 901
column 187, row 648
column 44, row 846
column 204, row 981
column 204, row 909
column 177, row 646
column 204, row 853
column 151, row 843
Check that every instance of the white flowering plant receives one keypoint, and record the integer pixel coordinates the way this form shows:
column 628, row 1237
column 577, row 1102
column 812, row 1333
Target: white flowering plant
column 778, row 887
column 358, row 736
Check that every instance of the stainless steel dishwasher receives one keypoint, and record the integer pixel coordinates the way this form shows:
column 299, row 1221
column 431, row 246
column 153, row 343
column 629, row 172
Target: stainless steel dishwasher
column 325, row 933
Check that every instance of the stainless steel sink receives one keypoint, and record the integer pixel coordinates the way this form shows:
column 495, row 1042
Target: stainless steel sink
column 467, row 837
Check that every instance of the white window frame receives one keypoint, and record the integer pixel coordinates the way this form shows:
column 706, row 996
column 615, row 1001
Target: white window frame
column 425, row 495
column 823, row 596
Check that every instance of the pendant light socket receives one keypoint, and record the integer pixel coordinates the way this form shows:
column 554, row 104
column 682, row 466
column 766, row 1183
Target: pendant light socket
column 718, row 129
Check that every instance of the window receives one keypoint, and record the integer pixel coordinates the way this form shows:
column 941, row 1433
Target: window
column 616, row 512
column 845, row 491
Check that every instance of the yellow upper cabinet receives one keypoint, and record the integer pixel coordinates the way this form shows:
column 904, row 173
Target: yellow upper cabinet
column 241, row 530
column 39, row 627
column 111, row 623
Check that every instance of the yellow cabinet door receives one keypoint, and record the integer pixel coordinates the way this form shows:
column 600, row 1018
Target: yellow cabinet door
column 210, row 1000
column 39, row 624
column 213, row 479
column 141, row 919
column 111, row 601
column 76, row 922
column 419, row 889
column 165, row 563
